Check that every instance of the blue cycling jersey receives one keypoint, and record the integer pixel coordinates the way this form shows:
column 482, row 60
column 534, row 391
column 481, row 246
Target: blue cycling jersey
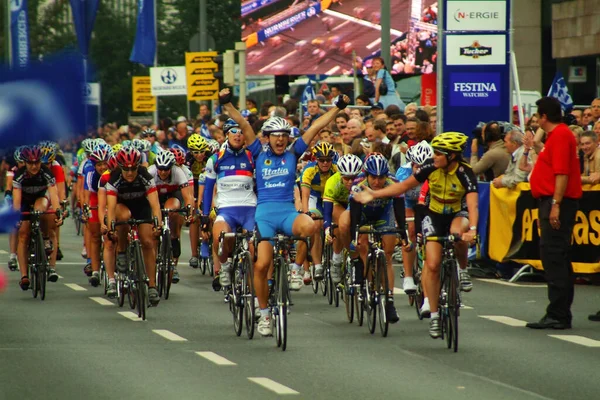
column 88, row 168
column 275, row 175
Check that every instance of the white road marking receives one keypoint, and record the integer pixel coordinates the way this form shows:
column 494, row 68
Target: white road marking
column 130, row 315
column 359, row 21
column 280, row 60
column 465, row 307
column 374, row 43
column 75, row 287
column 215, row 358
column 581, row 340
column 82, row 263
column 505, row 320
column 501, row 282
column 169, row 335
column 273, row 386
column 59, row 276
column 3, row 252
column 102, row 301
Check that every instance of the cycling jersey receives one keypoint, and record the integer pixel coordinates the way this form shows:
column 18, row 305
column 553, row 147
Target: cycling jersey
column 104, row 179
column 233, row 172
column 32, row 186
column 188, row 174
column 81, row 164
column 197, row 167
column 177, row 180
column 275, row 174
column 314, row 179
column 377, row 206
column 132, row 194
column 57, row 171
column 412, row 195
column 447, row 191
column 335, row 191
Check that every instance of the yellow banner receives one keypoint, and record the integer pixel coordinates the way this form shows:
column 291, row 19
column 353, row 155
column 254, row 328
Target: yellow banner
column 201, row 82
column 141, row 91
column 514, row 232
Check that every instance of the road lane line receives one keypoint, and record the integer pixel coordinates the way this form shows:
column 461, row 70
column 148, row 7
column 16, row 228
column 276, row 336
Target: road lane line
column 505, row 320
column 280, row 60
column 169, row 335
column 581, row 340
column 3, row 252
column 215, row 358
column 75, row 287
column 273, row 386
column 130, row 315
column 501, row 282
column 466, row 307
column 102, row 301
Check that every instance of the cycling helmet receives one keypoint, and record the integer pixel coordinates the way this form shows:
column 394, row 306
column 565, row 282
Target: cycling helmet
column 245, row 113
column 31, row 154
column 148, row 132
column 276, row 126
column 350, row 165
column 197, row 143
column 419, row 153
column 17, row 154
column 178, row 147
column 116, row 147
column 179, row 155
column 376, row 164
column 230, row 123
column 88, row 145
column 213, row 145
column 48, row 154
column 126, row 143
column 129, row 157
column 323, row 149
column 449, row 142
column 98, row 141
column 143, row 146
column 102, row 152
column 112, row 163
column 164, row 160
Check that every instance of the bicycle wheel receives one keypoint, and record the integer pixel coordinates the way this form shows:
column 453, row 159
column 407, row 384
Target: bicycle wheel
column 77, row 220
column 274, row 303
column 103, row 277
column 248, row 286
column 121, row 289
column 282, row 298
column 201, row 262
column 32, row 269
column 237, row 290
column 160, row 266
column 382, row 290
column 141, row 281
column 454, row 305
column 419, row 295
column 444, row 317
column 167, row 271
column 314, row 283
column 370, row 300
column 41, row 266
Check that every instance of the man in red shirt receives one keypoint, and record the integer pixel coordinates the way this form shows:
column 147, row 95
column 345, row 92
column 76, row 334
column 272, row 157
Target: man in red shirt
column 556, row 183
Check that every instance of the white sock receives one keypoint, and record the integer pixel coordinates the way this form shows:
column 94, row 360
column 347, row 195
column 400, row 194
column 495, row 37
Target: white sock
column 13, row 256
column 112, row 280
column 435, row 315
column 318, row 266
column 337, row 257
column 264, row 312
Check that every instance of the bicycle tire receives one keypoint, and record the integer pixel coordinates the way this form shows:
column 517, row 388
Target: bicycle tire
column 348, row 291
column 454, row 306
column 168, row 270
column 369, row 298
column 274, row 302
column 104, row 277
column 283, row 303
column 237, row 288
column 201, row 263
column 360, row 309
column 160, row 266
column 41, row 266
column 32, row 269
column 383, row 288
column 77, row 220
column 444, row 317
column 121, row 290
column 141, row 281
column 249, row 294
column 314, row 283
column 417, row 273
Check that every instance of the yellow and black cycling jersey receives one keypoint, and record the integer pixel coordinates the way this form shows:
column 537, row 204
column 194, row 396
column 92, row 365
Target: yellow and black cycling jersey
column 447, row 190
column 313, row 178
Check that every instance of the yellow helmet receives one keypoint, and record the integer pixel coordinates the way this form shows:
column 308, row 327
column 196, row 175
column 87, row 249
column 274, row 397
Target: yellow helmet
column 323, row 149
column 197, row 143
column 449, row 141
column 116, row 147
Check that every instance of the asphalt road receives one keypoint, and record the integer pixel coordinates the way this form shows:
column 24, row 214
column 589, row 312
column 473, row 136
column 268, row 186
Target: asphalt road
column 72, row 347
column 285, row 58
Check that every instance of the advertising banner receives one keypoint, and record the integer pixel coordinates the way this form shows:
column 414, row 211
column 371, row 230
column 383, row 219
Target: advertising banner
column 476, row 64
column 168, row 81
column 91, row 94
column 200, row 68
column 84, row 16
column 19, row 33
column 141, row 91
column 429, row 89
column 144, row 47
column 514, row 231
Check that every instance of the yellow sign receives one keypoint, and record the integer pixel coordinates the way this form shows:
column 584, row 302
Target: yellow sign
column 201, row 82
column 141, row 91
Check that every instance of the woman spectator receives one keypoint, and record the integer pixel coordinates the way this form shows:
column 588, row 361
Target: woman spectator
column 384, row 79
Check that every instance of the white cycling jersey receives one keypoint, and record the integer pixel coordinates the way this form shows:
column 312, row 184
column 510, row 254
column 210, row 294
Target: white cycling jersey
column 234, row 179
column 176, row 180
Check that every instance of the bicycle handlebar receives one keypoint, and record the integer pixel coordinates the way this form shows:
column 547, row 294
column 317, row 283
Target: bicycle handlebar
column 453, row 238
column 134, row 222
column 283, row 238
column 175, row 210
column 35, row 212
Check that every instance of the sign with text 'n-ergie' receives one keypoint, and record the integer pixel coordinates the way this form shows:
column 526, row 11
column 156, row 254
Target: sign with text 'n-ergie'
column 141, row 91
column 200, row 68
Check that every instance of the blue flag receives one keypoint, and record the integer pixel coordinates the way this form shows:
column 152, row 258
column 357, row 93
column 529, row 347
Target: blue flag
column 561, row 92
column 41, row 102
column 19, row 33
column 144, row 47
column 308, row 94
column 8, row 218
column 84, row 16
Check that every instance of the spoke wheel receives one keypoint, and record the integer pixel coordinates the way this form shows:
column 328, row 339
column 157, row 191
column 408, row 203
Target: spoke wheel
column 444, row 317
column 454, row 308
column 103, row 277
column 382, row 290
column 168, row 271
column 370, row 307
column 248, row 285
column 314, row 283
column 142, row 295
column 237, row 299
column 121, row 289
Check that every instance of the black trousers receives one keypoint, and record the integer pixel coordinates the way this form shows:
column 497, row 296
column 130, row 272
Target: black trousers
column 555, row 254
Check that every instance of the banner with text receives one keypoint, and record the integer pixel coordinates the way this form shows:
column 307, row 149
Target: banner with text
column 19, row 33
column 514, row 232
column 200, row 69
column 168, row 81
column 141, row 91
column 476, row 63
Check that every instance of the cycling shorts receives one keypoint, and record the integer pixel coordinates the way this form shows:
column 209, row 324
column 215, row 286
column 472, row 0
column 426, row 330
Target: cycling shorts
column 383, row 222
column 410, row 203
column 139, row 211
column 162, row 198
column 272, row 218
column 435, row 224
column 237, row 217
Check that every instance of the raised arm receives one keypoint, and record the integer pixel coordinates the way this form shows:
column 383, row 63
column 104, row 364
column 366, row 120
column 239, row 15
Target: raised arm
column 325, row 119
column 225, row 96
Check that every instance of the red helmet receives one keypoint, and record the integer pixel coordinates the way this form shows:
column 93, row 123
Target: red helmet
column 112, row 163
column 179, row 156
column 129, row 157
column 31, row 154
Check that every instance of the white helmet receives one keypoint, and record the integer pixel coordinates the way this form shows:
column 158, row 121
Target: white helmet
column 143, row 146
column 419, row 153
column 213, row 145
column 275, row 125
column 88, row 145
column 164, row 160
column 349, row 165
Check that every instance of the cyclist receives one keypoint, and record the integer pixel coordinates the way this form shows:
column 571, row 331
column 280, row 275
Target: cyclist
column 34, row 188
column 143, row 146
column 87, row 145
column 15, row 162
column 109, row 245
column 335, row 202
column 381, row 214
column 131, row 193
column 275, row 176
column 172, row 184
column 452, row 209
column 416, row 155
column 149, row 135
column 314, row 179
column 99, row 159
column 195, row 160
column 232, row 170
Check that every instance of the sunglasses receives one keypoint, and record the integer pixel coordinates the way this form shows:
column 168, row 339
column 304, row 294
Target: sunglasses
column 235, row 131
column 349, row 178
column 325, row 159
column 129, row 169
column 197, row 152
column 163, row 169
column 33, row 162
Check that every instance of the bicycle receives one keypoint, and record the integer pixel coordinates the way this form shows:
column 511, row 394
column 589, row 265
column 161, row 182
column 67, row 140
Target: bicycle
column 241, row 293
column 450, row 302
column 206, row 263
column 279, row 291
column 137, row 288
column 164, row 261
column 78, row 219
column 418, row 297
column 37, row 262
column 377, row 288
column 332, row 289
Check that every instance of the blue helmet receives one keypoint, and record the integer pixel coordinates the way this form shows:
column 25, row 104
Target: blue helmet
column 230, row 123
column 376, row 164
